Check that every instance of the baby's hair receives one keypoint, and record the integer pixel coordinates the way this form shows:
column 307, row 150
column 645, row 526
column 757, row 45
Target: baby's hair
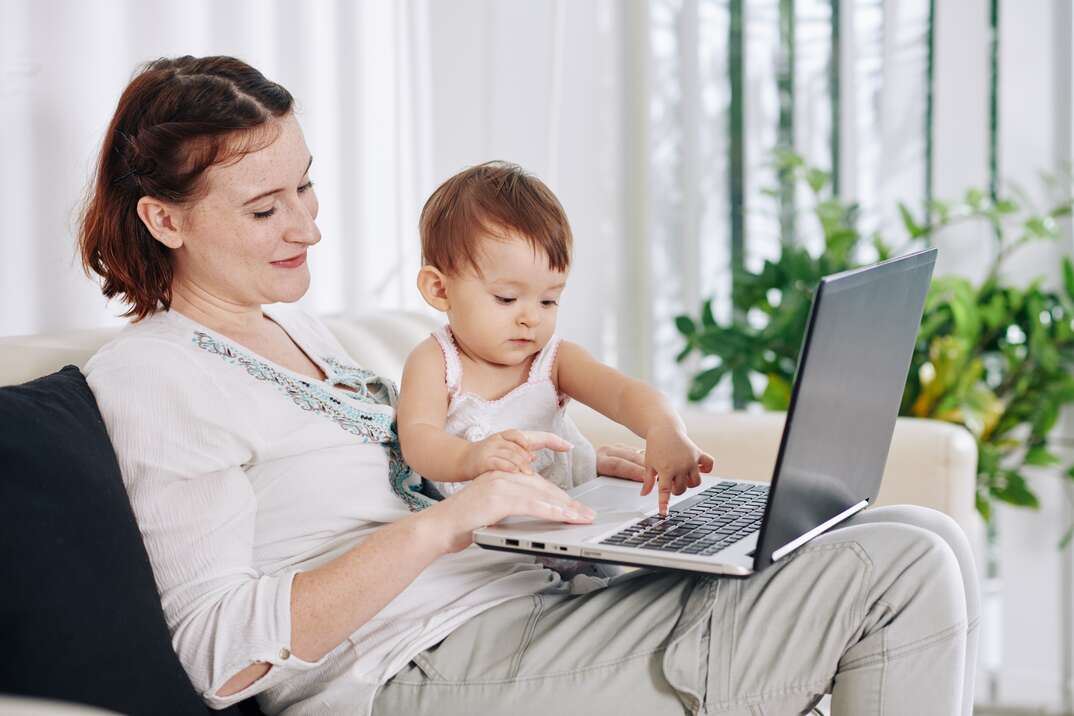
column 497, row 198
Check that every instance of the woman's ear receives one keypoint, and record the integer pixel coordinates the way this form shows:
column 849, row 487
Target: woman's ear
column 162, row 221
column 433, row 287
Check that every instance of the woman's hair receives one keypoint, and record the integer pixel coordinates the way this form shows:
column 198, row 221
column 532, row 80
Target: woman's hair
column 175, row 119
column 492, row 198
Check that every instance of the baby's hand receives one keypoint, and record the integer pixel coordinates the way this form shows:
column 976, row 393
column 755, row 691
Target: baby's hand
column 510, row 451
column 676, row 460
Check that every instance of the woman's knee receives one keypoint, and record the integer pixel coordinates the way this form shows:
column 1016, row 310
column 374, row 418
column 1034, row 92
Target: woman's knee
column 948, row 530
column 914, row 572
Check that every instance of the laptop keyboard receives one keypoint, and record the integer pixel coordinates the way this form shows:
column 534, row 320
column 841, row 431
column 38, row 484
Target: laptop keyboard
column 706, row 523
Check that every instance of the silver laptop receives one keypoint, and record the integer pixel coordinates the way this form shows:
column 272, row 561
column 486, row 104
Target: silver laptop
column 848, row 386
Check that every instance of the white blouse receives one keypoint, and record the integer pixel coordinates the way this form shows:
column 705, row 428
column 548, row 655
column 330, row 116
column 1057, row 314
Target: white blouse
column 242, row 473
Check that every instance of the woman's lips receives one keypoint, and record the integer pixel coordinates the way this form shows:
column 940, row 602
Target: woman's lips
column 293, row 262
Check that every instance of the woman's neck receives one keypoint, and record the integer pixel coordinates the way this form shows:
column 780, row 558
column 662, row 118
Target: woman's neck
column 225, row 317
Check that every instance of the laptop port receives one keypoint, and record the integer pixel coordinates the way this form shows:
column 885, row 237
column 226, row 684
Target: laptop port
column 511, row 542
column 537, row 545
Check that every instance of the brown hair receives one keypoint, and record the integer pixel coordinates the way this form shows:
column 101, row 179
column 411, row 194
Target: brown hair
column 490, row 198
column 175, row 119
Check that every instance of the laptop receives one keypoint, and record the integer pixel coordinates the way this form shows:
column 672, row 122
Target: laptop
column 847, row 389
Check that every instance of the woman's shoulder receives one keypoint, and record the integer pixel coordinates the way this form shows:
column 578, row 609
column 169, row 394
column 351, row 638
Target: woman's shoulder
column 161, row 348
column 158, row 334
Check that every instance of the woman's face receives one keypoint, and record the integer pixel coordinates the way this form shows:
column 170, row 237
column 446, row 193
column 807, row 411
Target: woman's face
column 244, row 241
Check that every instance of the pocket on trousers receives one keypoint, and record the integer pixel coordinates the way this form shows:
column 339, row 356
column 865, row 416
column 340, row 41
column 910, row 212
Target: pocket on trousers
column 686, row 659
column 486, row 648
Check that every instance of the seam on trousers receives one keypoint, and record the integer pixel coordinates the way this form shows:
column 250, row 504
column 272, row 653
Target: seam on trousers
column 427, row 666
column 759, row 699
column 527, row 634
column 904, row 650
column 883, row 670
column 703, row 666
column 734, row 632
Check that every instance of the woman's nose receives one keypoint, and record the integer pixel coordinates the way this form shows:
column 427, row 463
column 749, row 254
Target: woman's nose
column 304, row 226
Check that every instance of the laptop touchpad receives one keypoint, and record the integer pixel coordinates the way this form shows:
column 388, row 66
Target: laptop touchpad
column 614, row 498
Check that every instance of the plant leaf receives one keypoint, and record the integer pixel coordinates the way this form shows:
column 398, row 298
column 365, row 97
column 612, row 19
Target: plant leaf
column 703, row 383
column 912, row 227
column 777, row 393
column 686, row 325
column 1039, row 455
column 1016, row 491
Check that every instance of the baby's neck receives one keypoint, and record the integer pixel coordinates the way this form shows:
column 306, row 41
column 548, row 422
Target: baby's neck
column 490, row 380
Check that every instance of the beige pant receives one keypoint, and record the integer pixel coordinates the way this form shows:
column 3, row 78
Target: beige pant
column 881, row 612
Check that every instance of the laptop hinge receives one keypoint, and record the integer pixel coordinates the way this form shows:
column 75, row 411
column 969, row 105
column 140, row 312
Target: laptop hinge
column 796, row 543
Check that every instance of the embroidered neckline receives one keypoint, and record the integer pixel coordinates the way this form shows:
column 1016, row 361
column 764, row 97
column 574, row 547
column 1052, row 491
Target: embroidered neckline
column 375, row 426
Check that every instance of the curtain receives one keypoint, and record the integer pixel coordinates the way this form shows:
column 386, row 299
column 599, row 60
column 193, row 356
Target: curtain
column 389, row 107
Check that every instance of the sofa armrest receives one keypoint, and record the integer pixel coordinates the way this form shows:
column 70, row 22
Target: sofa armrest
column 931, row 463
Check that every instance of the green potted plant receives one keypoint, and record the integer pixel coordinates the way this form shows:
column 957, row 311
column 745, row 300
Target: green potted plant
column 992, row 357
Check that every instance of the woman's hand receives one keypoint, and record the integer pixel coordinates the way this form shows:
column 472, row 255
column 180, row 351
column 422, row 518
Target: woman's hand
column 493, row 496
column 672, row 458
column 621, row 461
column 510, row 451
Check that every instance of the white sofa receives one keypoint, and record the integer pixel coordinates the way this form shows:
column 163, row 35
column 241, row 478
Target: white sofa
column 931, row 463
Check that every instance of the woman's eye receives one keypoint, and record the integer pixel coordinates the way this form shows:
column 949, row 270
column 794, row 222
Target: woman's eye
column 308, row 185
column 264, row 214
column 504, row 300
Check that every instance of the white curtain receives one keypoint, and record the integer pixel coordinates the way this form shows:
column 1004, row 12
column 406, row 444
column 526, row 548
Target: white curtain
column 389, row 106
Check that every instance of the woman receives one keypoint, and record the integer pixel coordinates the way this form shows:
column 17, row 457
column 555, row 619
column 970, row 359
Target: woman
column 256, row 456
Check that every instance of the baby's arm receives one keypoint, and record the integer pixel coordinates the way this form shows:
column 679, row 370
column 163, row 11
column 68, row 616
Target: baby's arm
column 438, row 455
column 669, row 452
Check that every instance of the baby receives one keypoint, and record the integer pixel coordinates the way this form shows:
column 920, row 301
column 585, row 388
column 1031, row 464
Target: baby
column 483, row 392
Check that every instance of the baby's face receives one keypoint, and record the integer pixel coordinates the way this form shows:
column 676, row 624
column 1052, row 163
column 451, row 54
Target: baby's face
column 507, row 312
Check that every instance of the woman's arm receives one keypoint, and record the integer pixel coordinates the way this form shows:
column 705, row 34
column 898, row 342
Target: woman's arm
column 332, row 601
column 328, row 603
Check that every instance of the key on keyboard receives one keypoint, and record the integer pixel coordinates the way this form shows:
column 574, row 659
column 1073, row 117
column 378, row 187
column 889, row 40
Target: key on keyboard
column 706, row 523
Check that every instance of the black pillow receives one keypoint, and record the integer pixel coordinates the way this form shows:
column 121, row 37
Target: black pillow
column 80, row 616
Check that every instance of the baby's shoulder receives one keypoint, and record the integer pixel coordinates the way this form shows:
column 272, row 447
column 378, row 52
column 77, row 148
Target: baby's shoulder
column 427, row 357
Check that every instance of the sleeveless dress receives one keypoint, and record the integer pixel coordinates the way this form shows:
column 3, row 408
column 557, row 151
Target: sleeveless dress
column 534, row 405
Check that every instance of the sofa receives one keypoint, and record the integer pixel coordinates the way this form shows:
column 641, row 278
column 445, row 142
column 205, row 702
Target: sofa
column 82, row 586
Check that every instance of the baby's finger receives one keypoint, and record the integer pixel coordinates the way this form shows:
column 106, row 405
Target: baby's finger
column 537, row 439
column 518, row 460
column 665, row 494
column 706, row 462
column 649, row 481
column 678, row 484
column 497, row 462
column 517, row 452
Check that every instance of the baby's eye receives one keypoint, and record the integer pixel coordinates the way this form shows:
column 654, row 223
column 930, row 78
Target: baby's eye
column 504, row 300
column 548, row 303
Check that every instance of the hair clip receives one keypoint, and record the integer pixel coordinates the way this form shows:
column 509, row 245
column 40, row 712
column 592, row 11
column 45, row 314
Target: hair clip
column 136, row 173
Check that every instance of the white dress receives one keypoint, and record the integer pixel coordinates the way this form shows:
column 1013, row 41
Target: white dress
column 534, row 405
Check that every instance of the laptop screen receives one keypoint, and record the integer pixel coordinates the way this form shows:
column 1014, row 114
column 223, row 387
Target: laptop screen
column 848, row 386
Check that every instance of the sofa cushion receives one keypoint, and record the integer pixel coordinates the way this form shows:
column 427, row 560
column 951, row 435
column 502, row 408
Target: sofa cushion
column 80, row 616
